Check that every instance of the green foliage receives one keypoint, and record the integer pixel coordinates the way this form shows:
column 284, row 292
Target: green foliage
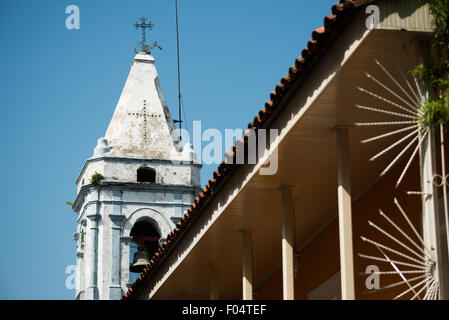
column 82, row 236
column 70, row 204
column 440, row 10
column 434, row 112
column 96, row 177
column 147, row 48
column 433, row 71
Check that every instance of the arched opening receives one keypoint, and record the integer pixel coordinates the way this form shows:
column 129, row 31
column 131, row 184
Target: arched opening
column 145, row 174
column 145, row 238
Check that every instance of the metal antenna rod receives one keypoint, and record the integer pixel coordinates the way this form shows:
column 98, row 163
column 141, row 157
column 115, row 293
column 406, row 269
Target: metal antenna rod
column 179, row 73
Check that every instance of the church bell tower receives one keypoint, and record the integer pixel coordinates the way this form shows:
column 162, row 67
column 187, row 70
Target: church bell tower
column 133, row 190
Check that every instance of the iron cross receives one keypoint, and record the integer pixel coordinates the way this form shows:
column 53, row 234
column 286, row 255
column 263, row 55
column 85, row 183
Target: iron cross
column 143, row 25
column 147, row 116
column 143, row 114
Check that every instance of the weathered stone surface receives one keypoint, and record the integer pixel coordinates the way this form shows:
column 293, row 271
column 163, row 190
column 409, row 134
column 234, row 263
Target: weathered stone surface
column 142, row 125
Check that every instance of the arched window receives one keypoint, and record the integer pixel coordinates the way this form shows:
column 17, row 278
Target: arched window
column 146, row 237
column 145, row 174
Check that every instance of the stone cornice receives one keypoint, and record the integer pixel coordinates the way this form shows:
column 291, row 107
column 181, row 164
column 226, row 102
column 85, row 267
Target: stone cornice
column 180, row 163
column 126, row 239
column 120, row 185
column 94, row 217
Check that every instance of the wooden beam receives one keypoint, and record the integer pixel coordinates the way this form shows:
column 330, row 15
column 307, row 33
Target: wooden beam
column 247, row 266
column 288, row 288
column 345, row 215
column 214, row 282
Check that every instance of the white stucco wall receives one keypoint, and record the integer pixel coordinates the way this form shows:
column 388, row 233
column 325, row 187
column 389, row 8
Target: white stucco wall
column 161, row 204
column 125, row 170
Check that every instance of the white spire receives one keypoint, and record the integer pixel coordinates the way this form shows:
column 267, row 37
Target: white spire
column 142, row 125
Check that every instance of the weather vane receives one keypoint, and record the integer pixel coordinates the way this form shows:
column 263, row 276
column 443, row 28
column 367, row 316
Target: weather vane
column 145, row 24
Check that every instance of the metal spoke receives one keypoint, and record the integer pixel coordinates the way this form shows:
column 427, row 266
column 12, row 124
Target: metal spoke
column 392, row 272
column 396, row 240
column 398, row 157
column 388, row 101
column 401, row 231
column 411, row 289
column 387, row 123
column 390, row 249
column 418, row 293
column 430, row 291
column 388, row 134
column 410, row 160
column 385, row 111
column 436, row 293
column 418, row 100
column 396, row 268
column 394, row 261
column 395, row 144
column 395, row 284
column 414, row 78
column 396, row 202
column 412, row 107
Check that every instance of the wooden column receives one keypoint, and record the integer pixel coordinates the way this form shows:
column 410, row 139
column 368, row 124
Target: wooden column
column 345, row 215
column 431, row 218
column 247, row 266
column 446, row 210
column 214, row 282
column 288, row 288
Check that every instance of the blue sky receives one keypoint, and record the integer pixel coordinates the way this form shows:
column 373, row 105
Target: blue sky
column 59, row 89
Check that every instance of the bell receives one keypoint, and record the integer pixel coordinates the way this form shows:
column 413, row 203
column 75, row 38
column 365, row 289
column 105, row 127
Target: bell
column 140, row 261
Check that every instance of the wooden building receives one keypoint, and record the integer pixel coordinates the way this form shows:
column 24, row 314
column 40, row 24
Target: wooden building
column 312, row 229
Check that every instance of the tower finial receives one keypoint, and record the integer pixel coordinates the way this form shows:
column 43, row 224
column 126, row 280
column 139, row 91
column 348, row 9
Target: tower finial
column 144, row 23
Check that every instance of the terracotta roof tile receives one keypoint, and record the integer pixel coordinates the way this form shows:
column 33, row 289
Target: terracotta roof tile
column 318, row 41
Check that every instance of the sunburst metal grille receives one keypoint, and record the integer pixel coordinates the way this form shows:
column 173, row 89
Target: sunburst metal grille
column 413, row 262
column 409, row 257
column 406, row 115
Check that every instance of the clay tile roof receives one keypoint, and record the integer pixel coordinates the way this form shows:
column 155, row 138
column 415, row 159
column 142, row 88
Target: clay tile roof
column 322, row 39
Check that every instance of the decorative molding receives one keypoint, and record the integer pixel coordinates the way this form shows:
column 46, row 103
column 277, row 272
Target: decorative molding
column 126, row 239
column 163, row 224
column 117, row 217
column 84, row 207
column 131, row 160
column 120, row 185
column 94, row 217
